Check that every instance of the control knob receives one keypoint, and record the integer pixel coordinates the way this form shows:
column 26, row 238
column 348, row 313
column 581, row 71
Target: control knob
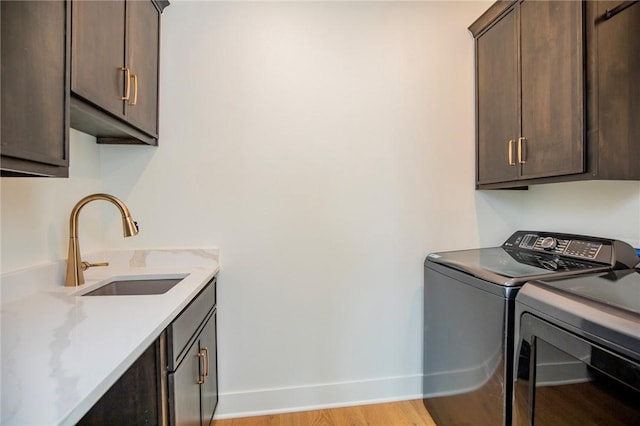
column 549, row 243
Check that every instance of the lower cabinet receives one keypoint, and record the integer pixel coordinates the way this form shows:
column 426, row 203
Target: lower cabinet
column 193, row 387
column 135, row 398
column 175, row 381
column 209, row 388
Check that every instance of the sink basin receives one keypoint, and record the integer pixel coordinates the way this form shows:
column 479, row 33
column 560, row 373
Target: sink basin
column 132, row 287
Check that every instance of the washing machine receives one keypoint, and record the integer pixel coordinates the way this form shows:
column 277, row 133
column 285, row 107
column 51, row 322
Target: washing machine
column 469, row 316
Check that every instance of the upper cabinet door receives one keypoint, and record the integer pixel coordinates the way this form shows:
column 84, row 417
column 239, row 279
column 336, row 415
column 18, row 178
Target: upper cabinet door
column 98, row 44
column 531, row 115
column 115, row 51
column 618, row 90
column 35, row 88
column 552, row 63
column 498, row 101
column 143, row 33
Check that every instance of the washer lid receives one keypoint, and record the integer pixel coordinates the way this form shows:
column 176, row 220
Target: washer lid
column 511, row 267
column 535, row 255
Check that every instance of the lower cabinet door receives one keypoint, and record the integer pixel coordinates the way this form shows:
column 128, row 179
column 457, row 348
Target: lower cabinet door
column 134, row 398
column 184, row 389
column 209, row 388
column 193, row 387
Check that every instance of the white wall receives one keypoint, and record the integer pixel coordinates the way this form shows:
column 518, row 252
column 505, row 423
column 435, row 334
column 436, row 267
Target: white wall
column 606, row 209
column 326, row 148
column 35, row 211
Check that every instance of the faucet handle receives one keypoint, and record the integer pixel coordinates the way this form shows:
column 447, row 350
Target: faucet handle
column 86, row 265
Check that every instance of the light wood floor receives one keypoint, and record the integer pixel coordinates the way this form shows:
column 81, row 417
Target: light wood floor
column 402, row 413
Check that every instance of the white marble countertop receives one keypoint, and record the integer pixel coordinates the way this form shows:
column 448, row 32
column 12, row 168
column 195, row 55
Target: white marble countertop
column 61, row 352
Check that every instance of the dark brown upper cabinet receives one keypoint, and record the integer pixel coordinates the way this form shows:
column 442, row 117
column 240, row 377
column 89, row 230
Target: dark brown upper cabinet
column 35, row 88
column 114, row 70
column 498, row 100
column 614, row 95
column 557, row 92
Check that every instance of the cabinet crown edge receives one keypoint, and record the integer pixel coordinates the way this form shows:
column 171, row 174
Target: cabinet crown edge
column 490, row 15
column 160, row 4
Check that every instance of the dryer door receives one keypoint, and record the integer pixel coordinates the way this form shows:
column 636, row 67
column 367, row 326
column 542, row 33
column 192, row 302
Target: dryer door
column 563, row 379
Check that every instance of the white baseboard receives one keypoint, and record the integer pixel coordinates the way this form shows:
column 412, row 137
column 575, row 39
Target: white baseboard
column 318, row 396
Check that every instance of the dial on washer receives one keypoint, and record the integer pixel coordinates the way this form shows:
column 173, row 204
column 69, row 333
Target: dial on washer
column 549, row 243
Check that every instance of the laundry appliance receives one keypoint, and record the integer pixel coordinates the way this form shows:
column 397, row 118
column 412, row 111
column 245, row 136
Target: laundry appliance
column 469, row 316
column 578, row 351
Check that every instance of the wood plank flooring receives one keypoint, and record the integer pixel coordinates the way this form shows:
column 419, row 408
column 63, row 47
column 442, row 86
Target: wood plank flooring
column 403, row 413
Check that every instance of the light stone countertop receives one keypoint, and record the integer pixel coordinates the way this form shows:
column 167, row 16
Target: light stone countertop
column 61, row 352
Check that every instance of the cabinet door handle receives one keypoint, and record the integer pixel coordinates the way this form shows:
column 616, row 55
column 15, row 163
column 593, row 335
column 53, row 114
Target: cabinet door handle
column 521, row 147
column 135, row 90
column 610, row 13
column 510, row 159
column 127, row 91
column 201, row 375
column 206, row 351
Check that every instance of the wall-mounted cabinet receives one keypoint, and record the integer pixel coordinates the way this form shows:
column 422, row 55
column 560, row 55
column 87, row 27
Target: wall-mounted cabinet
column 35, row 88
column 114, row 69
column 614, row 89
column 556, row 83
column 91, row 65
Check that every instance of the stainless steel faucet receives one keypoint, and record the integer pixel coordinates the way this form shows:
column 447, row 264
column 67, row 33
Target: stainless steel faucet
column 75, row 265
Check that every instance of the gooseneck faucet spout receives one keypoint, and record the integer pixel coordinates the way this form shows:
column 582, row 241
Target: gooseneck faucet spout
column 75, row 265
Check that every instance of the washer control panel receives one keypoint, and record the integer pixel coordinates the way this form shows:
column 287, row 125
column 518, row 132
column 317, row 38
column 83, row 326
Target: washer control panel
column 584, row 249
column 556, row 244
column 564, row 248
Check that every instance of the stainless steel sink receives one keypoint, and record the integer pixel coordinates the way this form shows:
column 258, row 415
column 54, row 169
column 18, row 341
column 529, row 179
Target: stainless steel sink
column 132, row 287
